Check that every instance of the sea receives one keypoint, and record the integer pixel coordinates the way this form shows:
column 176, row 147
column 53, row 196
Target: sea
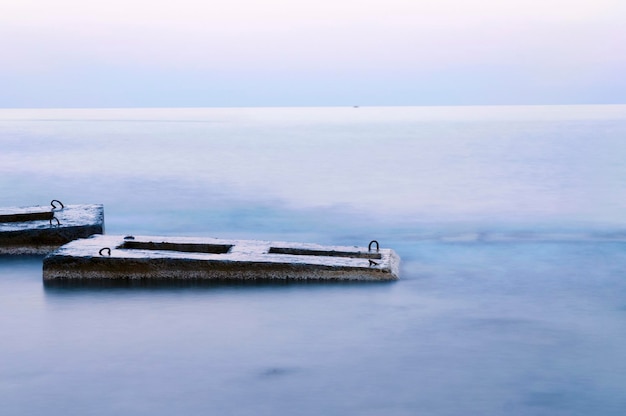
column 510, row 222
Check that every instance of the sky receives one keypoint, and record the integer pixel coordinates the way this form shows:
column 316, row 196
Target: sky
column 203, row 53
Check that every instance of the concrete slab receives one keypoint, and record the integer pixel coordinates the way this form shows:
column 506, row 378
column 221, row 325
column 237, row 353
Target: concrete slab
column 152, row 257
column 41, row 229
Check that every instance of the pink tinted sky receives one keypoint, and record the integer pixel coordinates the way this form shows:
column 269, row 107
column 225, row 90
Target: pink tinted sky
column 78, row 53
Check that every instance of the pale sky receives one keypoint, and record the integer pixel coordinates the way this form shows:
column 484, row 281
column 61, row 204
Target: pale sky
column 194, row 53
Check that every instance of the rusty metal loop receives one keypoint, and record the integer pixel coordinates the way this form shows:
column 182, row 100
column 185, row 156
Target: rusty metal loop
column 55, row 218
column 373, row 263
column 105, row 248
column 129, row 237
column 369, row 248
column 54, row 206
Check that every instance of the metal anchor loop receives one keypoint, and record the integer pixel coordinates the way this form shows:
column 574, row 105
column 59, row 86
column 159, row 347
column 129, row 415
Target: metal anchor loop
column 54, row 206
column 369, row 247
column 103, row 249
column 57, row 220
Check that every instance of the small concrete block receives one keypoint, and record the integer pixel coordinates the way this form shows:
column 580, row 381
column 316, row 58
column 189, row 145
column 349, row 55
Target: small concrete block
column 40, row 229
column 149, row 257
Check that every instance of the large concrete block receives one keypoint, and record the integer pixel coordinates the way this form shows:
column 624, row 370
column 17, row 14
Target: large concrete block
column 40, row 230
column 149, row 257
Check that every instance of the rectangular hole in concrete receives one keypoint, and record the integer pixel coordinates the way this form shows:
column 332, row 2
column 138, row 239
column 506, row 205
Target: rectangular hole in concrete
column 29, row 216
column 329, row 253
column 184, row 247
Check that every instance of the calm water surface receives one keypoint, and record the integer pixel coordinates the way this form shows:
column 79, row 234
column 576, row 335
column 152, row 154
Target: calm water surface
column 510, row 222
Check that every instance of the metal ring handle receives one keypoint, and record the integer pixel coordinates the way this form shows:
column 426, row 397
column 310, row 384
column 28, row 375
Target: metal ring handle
column 105, row 248
column 55, row 218
column 54, row 206
column 369, row 248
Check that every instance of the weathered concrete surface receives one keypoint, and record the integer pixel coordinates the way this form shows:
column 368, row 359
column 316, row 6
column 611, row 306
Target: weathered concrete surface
column 149, row 257
column 41, row 229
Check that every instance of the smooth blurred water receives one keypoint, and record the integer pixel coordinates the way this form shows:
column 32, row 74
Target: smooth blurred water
column 509, row 221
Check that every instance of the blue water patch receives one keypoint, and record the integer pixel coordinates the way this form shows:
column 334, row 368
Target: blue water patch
column 509, row 223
